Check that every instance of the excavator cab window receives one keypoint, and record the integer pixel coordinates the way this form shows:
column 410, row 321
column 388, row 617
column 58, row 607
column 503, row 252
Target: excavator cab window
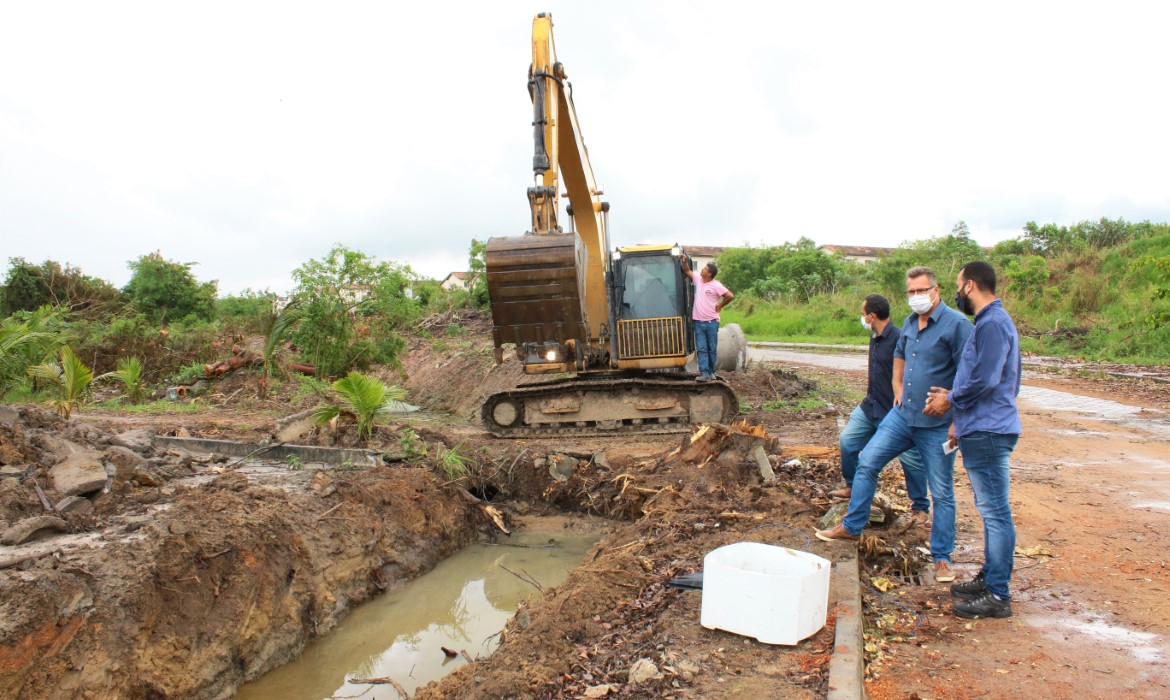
column 651, row 287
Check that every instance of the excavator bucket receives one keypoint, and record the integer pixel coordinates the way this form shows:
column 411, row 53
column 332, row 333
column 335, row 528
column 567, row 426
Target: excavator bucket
column 536, row 290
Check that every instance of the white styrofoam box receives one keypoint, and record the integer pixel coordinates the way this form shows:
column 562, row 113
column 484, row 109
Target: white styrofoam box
column 775, row 594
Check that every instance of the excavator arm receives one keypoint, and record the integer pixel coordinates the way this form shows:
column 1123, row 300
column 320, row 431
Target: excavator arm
column 560, row 152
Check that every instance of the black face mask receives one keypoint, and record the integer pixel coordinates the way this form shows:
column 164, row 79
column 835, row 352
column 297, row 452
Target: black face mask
column 963, row 304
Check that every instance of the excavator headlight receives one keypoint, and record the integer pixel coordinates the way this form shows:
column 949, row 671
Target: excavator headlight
column 551, row 356
column 676, row 251
column 617, row 256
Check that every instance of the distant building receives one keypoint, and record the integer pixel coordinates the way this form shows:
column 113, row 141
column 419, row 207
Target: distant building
column 702, row 254
column 456, row 280
column 354, row 294
column 857, row 253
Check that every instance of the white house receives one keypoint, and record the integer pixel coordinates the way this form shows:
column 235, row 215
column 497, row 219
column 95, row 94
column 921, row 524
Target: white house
column 456, row 280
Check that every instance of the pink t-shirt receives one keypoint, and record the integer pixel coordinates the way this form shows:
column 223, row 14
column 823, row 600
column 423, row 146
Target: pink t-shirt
column 707, row 295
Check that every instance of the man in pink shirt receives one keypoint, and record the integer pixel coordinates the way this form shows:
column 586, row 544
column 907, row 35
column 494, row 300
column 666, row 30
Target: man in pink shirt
column 710, row 297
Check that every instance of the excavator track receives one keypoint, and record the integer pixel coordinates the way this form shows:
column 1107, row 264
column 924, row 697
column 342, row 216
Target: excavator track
column 623, row 406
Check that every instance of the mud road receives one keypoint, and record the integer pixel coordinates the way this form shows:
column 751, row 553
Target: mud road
column 1090, row 497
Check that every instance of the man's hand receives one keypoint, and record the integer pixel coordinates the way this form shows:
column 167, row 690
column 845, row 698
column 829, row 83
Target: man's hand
column 938, row 402
column 898, row 396
column 951, row 439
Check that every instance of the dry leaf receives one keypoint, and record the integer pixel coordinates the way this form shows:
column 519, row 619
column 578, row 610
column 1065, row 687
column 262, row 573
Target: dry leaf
column 600, row 691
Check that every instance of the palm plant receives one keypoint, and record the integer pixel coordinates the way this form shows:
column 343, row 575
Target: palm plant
column 14, row 339
column 276, row 329
column 71, row 377
column 360, row 397
column 129, row 373
column 26, row 338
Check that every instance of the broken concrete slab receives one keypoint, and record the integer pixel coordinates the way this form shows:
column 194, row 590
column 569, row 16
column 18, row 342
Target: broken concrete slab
column 74, row 504
column 80, row 473
column 560, row 467
column 124, row 461
column 31, row 528
column 140, row 440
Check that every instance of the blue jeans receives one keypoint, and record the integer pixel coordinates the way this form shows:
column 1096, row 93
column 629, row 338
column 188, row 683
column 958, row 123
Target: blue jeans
column 893, row 437
column 707, row 345
column 856, row 436
column 985, row 457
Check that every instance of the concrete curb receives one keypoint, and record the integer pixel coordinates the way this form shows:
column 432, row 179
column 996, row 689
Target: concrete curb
column 232, row 448
column 847, row 665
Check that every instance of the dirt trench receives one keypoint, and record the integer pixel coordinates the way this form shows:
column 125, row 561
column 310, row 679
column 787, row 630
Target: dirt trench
column 216, row 580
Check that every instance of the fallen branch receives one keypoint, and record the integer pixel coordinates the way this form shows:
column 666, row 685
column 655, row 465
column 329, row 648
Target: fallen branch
column 326, row 513
column 526, row 579
column 384, row 680
column 41, row 495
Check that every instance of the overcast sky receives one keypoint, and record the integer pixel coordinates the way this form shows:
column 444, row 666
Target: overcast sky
column 252, row 136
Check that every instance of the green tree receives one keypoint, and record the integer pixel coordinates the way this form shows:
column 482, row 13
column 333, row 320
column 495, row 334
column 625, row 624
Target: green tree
column 477, row 274
column 166, row 291
column 246, row 312
column 1026, row 274
column 28, row 287
column 741, row 268
column 352, row 308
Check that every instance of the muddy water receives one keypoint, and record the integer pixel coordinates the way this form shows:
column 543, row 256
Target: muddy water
column 460, row 604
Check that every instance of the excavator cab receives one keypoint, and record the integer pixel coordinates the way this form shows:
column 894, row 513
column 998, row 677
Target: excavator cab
column 650, row 308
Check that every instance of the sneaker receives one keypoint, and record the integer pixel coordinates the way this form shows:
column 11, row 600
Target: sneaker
column 842, row 494
column 942, row 571
column 704, row 378
column 837, row 532
column 985, row 605
column 968, row 590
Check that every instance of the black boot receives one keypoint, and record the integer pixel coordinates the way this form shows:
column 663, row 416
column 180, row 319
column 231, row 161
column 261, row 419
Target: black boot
column 986, row 605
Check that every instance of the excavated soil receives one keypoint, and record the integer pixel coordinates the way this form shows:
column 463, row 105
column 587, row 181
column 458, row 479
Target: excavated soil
column 185, row 575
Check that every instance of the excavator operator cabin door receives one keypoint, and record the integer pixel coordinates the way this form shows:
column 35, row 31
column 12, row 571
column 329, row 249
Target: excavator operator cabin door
column 652, row 317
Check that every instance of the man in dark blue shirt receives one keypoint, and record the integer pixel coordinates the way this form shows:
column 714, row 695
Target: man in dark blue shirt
column 927, row 354
column 879, row 398
column 987, row 427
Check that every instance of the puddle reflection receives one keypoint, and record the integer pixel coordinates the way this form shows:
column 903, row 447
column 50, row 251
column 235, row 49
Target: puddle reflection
column 461, row 604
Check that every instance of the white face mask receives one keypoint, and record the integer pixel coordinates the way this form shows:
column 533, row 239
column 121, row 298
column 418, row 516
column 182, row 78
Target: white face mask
column 867, row 325
column 920, row 303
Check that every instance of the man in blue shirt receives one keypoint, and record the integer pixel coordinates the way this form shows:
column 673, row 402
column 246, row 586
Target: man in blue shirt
column 879, row 399
column 927, row 355
column 987, row 427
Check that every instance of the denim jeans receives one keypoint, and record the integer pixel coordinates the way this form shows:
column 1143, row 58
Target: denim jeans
column 893, row 437
column 985, row 457
column 857, row 434
column 707, row 345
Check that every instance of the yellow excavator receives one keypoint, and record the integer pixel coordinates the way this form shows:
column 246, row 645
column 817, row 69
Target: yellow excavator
column 619, row 323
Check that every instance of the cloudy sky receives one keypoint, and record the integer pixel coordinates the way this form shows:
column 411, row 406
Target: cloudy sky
column 250, row 137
